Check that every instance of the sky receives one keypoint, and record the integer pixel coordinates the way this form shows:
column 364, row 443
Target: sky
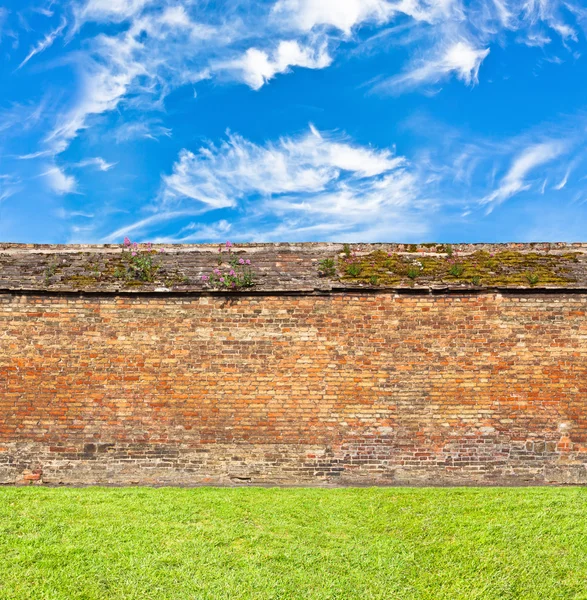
column 192, row 121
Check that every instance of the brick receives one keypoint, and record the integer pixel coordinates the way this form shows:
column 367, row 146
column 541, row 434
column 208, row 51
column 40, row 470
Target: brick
column 339, row 388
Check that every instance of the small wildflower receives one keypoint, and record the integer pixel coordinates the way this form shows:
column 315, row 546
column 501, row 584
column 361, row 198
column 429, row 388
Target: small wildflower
column 217, row 272
column 205, row 277
column 229, row 244
column 241, row 261
column 162, row 250
column 232, row 273
column 248, row 261
column 222, row 280
column 127, row 242
column 133, row 253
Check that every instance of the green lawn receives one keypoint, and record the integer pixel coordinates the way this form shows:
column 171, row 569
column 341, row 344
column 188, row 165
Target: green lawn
column 211, row 543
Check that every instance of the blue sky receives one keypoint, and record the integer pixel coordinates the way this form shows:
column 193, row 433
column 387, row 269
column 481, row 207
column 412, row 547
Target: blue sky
column 293, row 120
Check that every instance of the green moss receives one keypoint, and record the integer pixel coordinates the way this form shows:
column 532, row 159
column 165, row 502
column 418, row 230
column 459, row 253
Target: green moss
column 109, row 269
column 504, row 268
column 81, row 280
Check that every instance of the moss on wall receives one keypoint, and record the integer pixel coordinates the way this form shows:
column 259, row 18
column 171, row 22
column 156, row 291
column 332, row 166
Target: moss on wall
column 481, row 268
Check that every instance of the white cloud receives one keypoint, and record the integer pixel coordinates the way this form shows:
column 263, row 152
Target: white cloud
column 459, row 58
column 220, row 176
column 148, row 129
column 35, row 155
column 147, row 223
column 71, row 214
column 514, row 181
column 110, row 10
column 45, row 43
column 59, row 182
column 256, row 67
column 148, row 48
column 97, row 162
column 7, row 191
column 341, row 14
column 102, row 88
column 563, row 182
column 309, row 183
column 158, row 52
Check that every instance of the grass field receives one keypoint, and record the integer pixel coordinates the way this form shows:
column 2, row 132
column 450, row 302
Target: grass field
column 212, row 543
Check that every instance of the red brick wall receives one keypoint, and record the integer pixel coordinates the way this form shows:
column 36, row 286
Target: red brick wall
column 348, row 388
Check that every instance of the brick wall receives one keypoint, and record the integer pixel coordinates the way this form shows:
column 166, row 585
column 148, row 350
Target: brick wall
column 349, row 388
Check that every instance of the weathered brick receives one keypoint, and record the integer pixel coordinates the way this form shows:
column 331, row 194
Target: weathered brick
column 343, row 388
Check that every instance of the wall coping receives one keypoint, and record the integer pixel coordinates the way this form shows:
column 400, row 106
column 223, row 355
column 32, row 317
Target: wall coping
column 295, row 268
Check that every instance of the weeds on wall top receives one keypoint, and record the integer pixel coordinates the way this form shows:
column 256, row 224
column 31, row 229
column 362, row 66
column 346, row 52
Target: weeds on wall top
column 445, row 264
column 139, row 263
column 232, row 272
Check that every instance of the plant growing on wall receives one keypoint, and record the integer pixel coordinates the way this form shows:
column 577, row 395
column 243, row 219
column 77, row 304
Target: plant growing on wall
column 232, row 272
column 532, row 278
column 354, row 269
column 456, row 269
column 139, row 263
column 327, row 267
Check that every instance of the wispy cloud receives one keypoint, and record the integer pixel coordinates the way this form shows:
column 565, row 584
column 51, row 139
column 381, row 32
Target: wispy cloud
column 72, row 214
column 480, row 173
column 219, row 176
column 97, row 162
column 110, row 10
column 35, row 155
column 45, row 43
column 515, row 179
column 158, row 52
column 563, row 181
column 9, row 186
column 459, row 58
column 156, row 47
column 313, row 181
column 148, row 223
column 144, row 129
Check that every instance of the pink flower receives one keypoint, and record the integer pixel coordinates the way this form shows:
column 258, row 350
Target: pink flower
column 217, row 272
column 241, row 261
column 149, row 246
column 127, row 242
column 162, row 250
column 229, row 244
column 222, row 280
column 232, row 273
column 248, row 261
column 205, row 277
column 133, row 253
column 135, row 245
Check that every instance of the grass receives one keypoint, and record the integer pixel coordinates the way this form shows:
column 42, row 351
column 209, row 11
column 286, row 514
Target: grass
column 252, row 543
